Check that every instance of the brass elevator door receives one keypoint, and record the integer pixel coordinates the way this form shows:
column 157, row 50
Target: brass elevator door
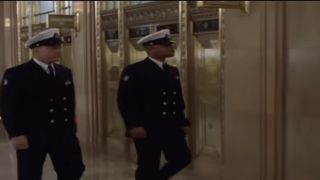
column 24, row 52
column 111, row 69
column 66, row 58
column 66, row 48
column 208, row 91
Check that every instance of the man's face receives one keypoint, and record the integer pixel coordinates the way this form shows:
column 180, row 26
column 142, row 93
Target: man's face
column 163, row 50
column 48, row 54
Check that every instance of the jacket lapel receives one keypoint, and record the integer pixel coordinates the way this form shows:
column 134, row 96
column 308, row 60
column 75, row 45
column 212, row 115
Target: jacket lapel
column 153, row 66
column 36, row 69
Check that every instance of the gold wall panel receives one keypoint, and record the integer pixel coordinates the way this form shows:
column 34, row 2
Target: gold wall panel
column 10, row 35
column 156, row 12
column 2, row 44
column 67, row 58
column 302, row 91
column 253, row 66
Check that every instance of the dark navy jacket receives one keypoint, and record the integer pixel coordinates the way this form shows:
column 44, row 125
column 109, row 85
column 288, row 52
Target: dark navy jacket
column 33, row 103
column 151, row 97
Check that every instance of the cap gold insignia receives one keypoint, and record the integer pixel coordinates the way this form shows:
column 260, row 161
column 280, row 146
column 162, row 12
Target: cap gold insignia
column 5, row 82
column 126, row 78
column 67, row 83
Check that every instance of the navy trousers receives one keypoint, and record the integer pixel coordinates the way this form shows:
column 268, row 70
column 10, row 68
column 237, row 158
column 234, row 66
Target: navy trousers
column 64, row 152
column 174, row 148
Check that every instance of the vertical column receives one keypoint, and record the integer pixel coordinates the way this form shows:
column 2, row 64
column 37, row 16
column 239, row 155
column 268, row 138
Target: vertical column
column 10, row 33
column 18, row 31
column 85, row 74
column 122, row 31
column 279, row 118
column 80, row 74
column 123, row 45
column 98, row 40
column 222, row 90
column 2, row 46
column 30, row 13
column 187, row 67
column 91, row 64
column 246, row 74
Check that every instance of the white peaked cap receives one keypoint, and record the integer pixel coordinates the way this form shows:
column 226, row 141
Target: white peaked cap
column 154, row 36
column 43, row 35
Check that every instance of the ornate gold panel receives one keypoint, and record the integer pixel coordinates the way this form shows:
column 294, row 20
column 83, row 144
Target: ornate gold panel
column 109, row 19
column 152, row 13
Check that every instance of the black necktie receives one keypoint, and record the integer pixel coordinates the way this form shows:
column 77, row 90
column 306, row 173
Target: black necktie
column 51, row 73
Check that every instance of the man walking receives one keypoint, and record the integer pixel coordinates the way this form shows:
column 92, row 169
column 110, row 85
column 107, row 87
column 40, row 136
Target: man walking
column 151, row 104
column 37, row 104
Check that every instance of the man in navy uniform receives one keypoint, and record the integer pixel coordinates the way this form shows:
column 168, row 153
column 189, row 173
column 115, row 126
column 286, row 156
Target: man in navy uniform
column 37, row 104
column 151, row 103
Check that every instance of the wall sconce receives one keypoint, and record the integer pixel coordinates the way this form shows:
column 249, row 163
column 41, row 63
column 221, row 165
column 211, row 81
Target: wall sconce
column 77, row 21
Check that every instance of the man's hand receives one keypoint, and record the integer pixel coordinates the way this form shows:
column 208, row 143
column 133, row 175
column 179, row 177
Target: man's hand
column 20, row 142
column 137, row 132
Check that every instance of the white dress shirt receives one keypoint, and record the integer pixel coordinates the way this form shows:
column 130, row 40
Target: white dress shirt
column 159, row 63
column 44, row 66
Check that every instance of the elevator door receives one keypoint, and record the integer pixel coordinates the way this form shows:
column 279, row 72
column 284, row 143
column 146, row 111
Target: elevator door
column 111, row 69
column 25, row 55
column 66, row 49
column 66, row 58
column 208, row 91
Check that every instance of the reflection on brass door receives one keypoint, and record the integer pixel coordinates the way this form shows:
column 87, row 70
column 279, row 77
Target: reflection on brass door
column 208, row 92
column 66, row 58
